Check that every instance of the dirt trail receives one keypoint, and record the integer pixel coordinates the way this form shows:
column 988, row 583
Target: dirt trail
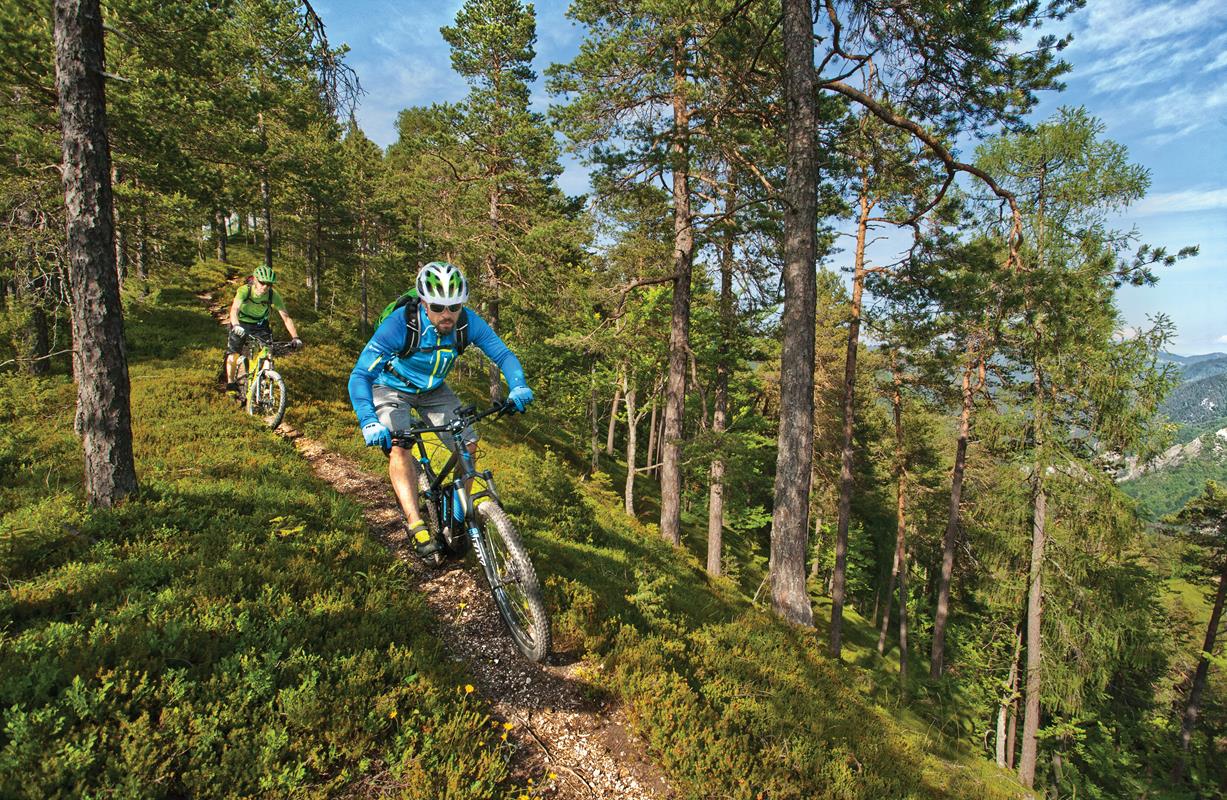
column 561, row 726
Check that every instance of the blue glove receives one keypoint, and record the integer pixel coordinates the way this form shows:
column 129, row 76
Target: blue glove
column 376, row 434
column 520, row 397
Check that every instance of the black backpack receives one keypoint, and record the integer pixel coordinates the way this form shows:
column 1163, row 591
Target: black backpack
column 413, row 329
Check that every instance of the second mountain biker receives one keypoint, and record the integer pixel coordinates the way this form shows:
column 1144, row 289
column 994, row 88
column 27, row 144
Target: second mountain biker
column 403, row 368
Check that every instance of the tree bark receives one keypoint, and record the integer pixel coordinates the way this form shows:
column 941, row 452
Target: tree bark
column 592, row 413
column 950, row 539
column 900, row 517
column 1193, row 707
column 102, row 389
column 838, row 581
column 221, row 220
column 629, row 494
column 1005, row 743
column 679, row 328
column 790, row 517
column 651, row 468
column 715, row 501
column 318, row 265
column 493, row 286
column 613, row 420
column 1035, row 616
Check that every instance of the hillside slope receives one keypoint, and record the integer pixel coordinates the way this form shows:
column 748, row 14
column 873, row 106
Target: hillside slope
column 235, row 630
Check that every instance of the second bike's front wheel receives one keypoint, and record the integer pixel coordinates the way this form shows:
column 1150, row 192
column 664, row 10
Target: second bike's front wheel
column 268, row 402
column 513, row 580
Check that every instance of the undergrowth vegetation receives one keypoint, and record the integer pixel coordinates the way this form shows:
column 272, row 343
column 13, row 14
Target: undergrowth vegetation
column 234, row 631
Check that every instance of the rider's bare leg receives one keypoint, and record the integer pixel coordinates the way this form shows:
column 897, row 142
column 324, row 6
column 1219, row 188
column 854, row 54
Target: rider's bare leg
column 403, row 470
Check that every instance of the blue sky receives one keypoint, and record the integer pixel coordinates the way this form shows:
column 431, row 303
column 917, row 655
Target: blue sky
column 1155, row 73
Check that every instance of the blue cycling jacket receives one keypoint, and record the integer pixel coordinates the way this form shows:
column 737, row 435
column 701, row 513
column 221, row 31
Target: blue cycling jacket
column 428, row 367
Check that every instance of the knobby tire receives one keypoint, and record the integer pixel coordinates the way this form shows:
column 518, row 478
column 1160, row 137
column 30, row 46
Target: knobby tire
column 513, row 580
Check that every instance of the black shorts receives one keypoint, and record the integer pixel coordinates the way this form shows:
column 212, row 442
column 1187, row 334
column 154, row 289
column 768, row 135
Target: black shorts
column 234, row 342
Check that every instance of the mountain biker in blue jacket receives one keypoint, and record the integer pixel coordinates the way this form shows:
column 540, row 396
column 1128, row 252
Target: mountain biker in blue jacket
column 387, row 382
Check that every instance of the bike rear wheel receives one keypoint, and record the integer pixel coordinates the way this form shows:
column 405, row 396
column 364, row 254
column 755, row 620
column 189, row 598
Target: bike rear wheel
column 513, row 580
column 268, row 400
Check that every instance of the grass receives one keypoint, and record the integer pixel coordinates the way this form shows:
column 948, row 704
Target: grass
column 233, row 631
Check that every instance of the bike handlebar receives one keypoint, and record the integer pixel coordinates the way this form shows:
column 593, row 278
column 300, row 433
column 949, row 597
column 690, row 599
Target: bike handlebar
column 465, row 416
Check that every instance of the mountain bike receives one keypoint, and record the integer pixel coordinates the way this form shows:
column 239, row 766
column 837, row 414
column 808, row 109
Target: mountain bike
column 262, row 389
column 459, row 519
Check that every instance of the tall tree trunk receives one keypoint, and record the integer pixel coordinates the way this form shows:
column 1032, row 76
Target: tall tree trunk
column 223, row 231
column 1193, row 707
column 102, row 389
column 1035, row 617
column 493, row 287
column 950, row 539
column 715, row 502
column 629, row 494
column 1005, row 746
column 613, row 419
column 838, row 581
column 651, row 468
column 121, row 256
column 790, row 517
column 896, row 401
column 266, row 194
column 679, row 328
column 596, row 427
column 318, row 265
column 884, row 626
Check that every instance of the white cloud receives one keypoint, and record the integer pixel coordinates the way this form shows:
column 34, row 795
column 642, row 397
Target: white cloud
column 1221, row 340
column 1123, row 24
column 1183, row 201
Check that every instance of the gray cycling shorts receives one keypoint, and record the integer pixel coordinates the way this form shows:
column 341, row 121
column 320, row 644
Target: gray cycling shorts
column 396, row 410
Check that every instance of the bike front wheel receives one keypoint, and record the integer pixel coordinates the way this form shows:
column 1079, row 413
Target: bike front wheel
column 268, row 399
column 513, row 580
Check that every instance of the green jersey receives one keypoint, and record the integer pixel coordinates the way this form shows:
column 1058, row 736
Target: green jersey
column 253, row 308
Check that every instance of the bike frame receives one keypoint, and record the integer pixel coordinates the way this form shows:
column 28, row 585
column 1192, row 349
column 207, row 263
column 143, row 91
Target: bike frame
column 262, row 357
column 460, row 465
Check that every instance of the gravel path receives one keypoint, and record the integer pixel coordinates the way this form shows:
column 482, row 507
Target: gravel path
column 573, row 743
column 560, row 726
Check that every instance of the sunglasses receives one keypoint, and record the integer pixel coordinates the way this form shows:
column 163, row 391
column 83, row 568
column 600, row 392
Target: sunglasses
column 440, row 309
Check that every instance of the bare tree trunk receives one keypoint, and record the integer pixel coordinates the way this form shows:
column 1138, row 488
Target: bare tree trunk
column 318, row 264
column 1193, row 707
column 1035, row 616
column 838, row 581
column 631, row 426
column 679, row 328
column 901, row 464
column 890, row 593
column 103, row 389
column 1005, row 744
column 938, row 654
column 493, row 286
column 613, row 420
column 592, row 413
column 221, row 220
column 651, row 469
column 266, row 195
column 790, row 517
column 121, row 256
column 715, row 502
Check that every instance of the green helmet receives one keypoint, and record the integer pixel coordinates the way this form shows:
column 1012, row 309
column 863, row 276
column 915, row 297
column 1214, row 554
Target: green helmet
column 265, row 274
column 441, row 282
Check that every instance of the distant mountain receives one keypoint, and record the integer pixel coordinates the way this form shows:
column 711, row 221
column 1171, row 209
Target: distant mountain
column 1198, row 401
column 1182, row 360
column 1207, row 368
column 1199, row 406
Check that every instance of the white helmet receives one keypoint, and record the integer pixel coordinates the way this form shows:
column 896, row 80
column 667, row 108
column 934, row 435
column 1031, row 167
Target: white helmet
column 442, row 283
